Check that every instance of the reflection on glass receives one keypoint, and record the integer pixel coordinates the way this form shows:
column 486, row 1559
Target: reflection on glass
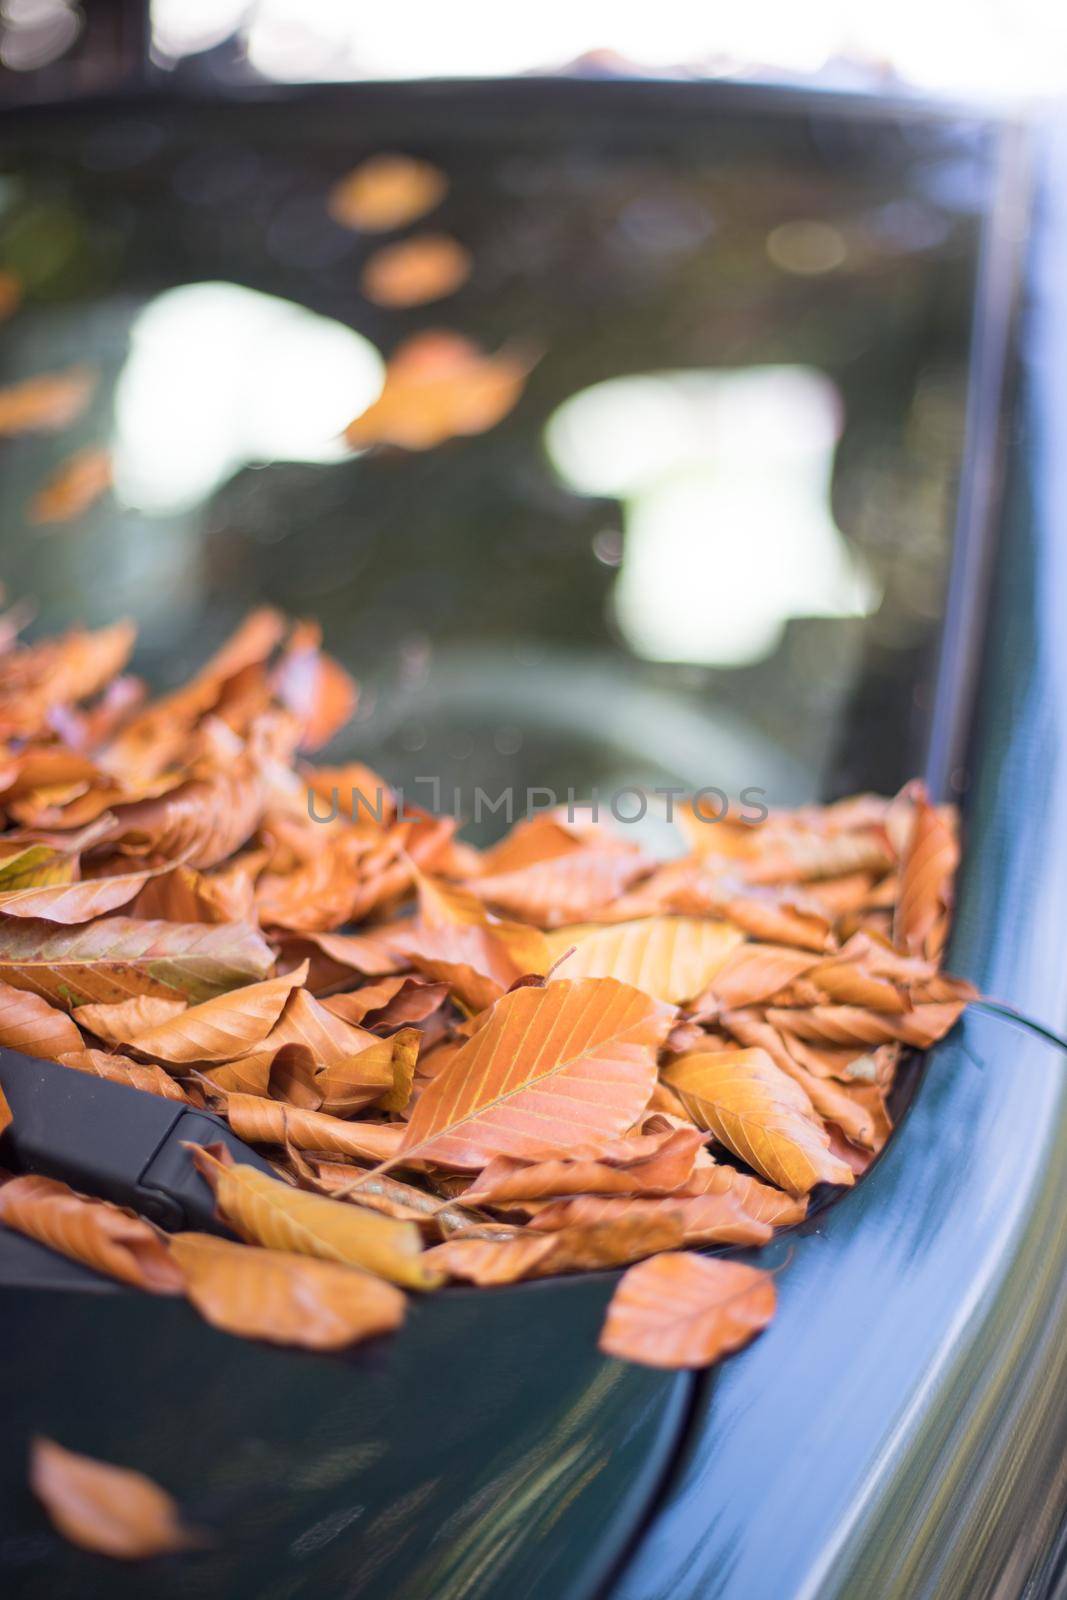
column 725, row 481
column 220, row 376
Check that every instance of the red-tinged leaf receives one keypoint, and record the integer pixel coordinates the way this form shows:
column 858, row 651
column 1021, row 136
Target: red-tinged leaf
column 132, row 1074
column 592, row 1247
column 73, row 903
column 264, row 1211
column 118, row 957
column 759, row 1113
column 573, row 1063
column 283, row 1297
column 99, row 1235
column 30, row 1025
column 651, row 1164
column 109, row 1510
column 567, row 888
column 721, row 1218
column 683, row 1310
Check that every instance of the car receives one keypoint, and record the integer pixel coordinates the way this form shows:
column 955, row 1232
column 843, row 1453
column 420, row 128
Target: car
column 746, row 317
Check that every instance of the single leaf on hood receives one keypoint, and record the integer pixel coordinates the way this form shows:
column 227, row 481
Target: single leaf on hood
column 220, row 1029
column 283, row 1297
column 77, row 484
column 759, row 1113
column 722, row 1218
column 386, row 191
column 566, row 888
column 45, row 404
column 684, row 1310
column 439, row 386
column 72, row 903
column 930, row 861
column 413, row 272
column 120, row 1069
column 109, row 1510
column 31, row 1025
column 573, row 1063
column 671, row 958
column 117, row 957
column 648, row 1164
column 590, row 1247
column 93, row 1232
column 200, row 823
column 260, row 1121
column 265, row 1211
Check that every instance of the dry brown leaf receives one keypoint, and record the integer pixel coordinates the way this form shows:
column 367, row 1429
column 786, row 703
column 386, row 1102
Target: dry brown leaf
column 73, row 903
column 651, row 1164
column 760, row 1114
column 439, row 386
column 109, row 1510
column 386, row 191
column 76, row 485
column 220, row 1029
column 266, row 1212
column 120, row 1069
column 283, row 1297
column 929, row 866
column 260, row 1121
column 93, row 1232
column 416, row 271
column 31, row 1025
column 684, row 1310
column 583, row 1248
column 722, row 1218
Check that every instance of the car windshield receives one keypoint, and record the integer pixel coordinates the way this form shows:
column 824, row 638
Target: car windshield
column 707, row 541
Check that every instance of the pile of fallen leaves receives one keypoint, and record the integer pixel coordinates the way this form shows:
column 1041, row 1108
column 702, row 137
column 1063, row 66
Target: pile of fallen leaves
column 556, row 1055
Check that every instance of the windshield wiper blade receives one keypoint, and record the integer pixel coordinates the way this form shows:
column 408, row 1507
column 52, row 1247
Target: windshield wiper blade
column 117, row 1143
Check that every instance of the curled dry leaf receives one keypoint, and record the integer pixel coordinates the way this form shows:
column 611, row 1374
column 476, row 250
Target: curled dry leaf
column 439, row 386
column 416, row 271
column 705, row 1218
column 75, row 486
column 386, row 191
column 684, row 1310
column 264, row 1211
column 591, row 1247
column 131, row 1074
column 760, row 1114
column 260, row 1121
column 930, row 863
column 93, row 1232
column 218, row 1029
column 109, row 1510
column 282, row 1297
column 652, row 1164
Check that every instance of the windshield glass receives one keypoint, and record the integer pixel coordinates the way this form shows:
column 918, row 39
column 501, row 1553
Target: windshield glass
column 696, row 528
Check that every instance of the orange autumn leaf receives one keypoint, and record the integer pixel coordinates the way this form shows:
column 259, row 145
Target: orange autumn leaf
column 260, row 1121
column 930, row 862
column 32, row 1026
column 219, row 1029
column 754, row 972
column 759, row 1113
column 439, row 386
column 590, row 1247
column 10, row 293
column 93, row 1232
column 72, row 903
column 416, row 271
column 5, row 1112
column 109, row 1510
column 124, row 1019
column 117, row 957
column 386, row 191
column 722, row 1218
column 651, row 1164
column 684, row 1310
column 75, row 486
column 570, row 1063
column 283, row 1297
column 46, row 404
column 671, row 958
column 264, row 1211
column 120, row 1069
